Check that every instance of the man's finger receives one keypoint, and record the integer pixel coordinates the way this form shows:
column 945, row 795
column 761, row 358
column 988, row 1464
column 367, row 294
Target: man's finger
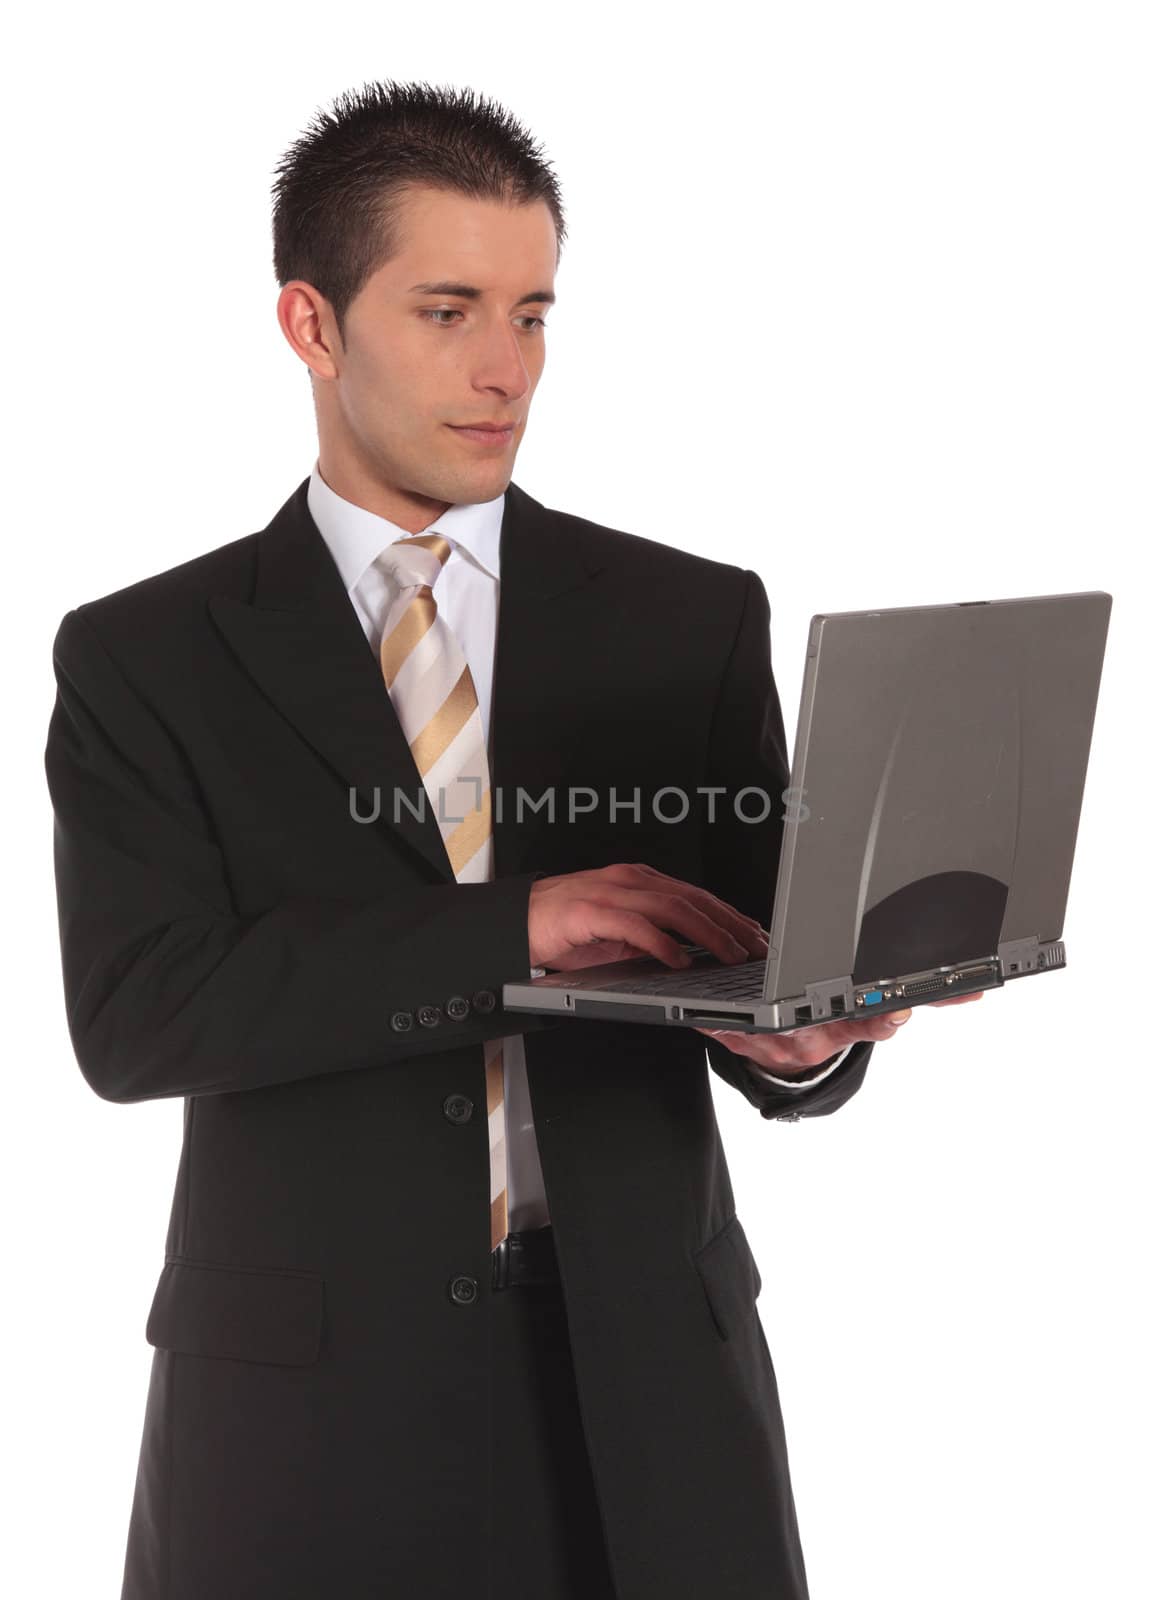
column 636, row 875
column 804, row 1047
column 681, row 910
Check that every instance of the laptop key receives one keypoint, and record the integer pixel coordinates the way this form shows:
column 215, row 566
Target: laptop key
column 742, row 982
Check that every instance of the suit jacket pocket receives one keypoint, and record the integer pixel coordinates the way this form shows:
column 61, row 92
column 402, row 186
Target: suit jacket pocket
column 730, row 1276
column 244, row 1313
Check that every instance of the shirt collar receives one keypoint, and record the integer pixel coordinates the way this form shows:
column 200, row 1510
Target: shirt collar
column 356, row 536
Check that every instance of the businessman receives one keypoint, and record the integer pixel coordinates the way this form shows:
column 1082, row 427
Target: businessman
column 452, row 1300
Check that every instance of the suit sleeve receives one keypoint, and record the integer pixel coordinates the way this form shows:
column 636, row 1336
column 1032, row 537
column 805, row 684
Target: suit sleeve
column 747, row 752
column 168, row 990
column 825, row 1069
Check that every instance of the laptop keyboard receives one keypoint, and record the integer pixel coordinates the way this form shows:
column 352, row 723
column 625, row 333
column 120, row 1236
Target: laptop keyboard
column 744, row 982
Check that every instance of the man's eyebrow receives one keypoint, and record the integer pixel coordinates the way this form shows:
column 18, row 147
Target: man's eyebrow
column 467, row 291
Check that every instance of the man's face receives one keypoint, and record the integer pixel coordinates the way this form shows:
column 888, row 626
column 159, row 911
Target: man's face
column 417, row 363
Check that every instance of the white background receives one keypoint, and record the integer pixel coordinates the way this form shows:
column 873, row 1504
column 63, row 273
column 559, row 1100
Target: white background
column 854, row 294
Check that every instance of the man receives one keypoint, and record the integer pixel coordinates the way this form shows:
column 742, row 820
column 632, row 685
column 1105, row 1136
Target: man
column 402, row 1347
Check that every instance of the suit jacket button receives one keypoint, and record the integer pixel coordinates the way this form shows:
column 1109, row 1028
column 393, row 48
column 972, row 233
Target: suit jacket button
column 458, row 1108
column 429, row 1016
column 457, row 1008
column 484, row 1000
column 401, row 1021
column 463, row 1290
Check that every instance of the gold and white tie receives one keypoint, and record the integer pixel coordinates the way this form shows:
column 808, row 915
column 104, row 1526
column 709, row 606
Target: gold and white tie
column 431, row 688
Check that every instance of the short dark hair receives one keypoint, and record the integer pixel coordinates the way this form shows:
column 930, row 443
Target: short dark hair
column 335, row 217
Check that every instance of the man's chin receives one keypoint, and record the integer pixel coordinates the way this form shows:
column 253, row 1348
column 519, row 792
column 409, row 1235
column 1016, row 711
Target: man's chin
column 473, row 487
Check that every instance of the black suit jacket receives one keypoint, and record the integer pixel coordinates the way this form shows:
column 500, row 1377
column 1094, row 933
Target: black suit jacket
column 316, row 1420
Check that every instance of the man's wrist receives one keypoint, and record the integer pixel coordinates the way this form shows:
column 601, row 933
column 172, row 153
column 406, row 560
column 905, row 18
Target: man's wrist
column 806, row 1077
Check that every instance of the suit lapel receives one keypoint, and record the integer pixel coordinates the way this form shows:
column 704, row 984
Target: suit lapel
column 300, row 639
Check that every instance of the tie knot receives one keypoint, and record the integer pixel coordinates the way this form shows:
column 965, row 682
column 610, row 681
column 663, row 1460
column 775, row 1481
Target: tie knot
column 416, row 560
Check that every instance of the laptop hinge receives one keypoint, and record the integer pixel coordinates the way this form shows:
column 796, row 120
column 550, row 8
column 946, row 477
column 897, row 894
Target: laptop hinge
column 830, row 999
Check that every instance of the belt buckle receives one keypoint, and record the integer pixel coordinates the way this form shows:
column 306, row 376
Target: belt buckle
column 500, row 1264
column 524, row 1257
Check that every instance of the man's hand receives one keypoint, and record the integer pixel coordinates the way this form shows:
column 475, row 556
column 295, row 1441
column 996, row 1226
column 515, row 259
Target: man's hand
column 583, row 919
column 619, row 912
column 800, row 1048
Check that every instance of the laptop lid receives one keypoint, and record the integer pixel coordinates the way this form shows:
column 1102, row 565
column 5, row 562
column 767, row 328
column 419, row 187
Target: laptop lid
column 937, row 780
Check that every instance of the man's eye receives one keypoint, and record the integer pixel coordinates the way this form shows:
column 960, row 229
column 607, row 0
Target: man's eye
column 449, row 311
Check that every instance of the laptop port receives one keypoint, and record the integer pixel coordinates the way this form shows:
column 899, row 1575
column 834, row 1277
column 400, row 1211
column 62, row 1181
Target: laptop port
column 988, row 969
column 703, row 1014
column 923, row 986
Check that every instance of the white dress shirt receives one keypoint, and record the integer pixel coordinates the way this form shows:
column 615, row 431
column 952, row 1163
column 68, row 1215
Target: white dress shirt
column 467, row 597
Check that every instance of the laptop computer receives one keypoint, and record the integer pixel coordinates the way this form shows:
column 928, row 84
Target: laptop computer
column 936, row 786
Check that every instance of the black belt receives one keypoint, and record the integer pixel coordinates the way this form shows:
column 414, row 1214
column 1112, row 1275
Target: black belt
column 528, row 1257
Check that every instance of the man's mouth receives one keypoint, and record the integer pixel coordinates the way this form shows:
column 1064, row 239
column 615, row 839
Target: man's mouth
column 487, row 434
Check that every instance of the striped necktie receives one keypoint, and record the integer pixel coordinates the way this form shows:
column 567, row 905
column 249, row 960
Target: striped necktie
column 431, row 687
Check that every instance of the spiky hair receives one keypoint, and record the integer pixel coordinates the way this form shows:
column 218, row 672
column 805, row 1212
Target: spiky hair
column 335, row 216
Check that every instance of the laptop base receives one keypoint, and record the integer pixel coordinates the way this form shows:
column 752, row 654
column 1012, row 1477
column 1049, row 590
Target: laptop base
column 713, row 994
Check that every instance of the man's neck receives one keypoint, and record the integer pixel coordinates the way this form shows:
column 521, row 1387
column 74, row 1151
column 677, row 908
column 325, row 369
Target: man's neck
column 411, row 512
